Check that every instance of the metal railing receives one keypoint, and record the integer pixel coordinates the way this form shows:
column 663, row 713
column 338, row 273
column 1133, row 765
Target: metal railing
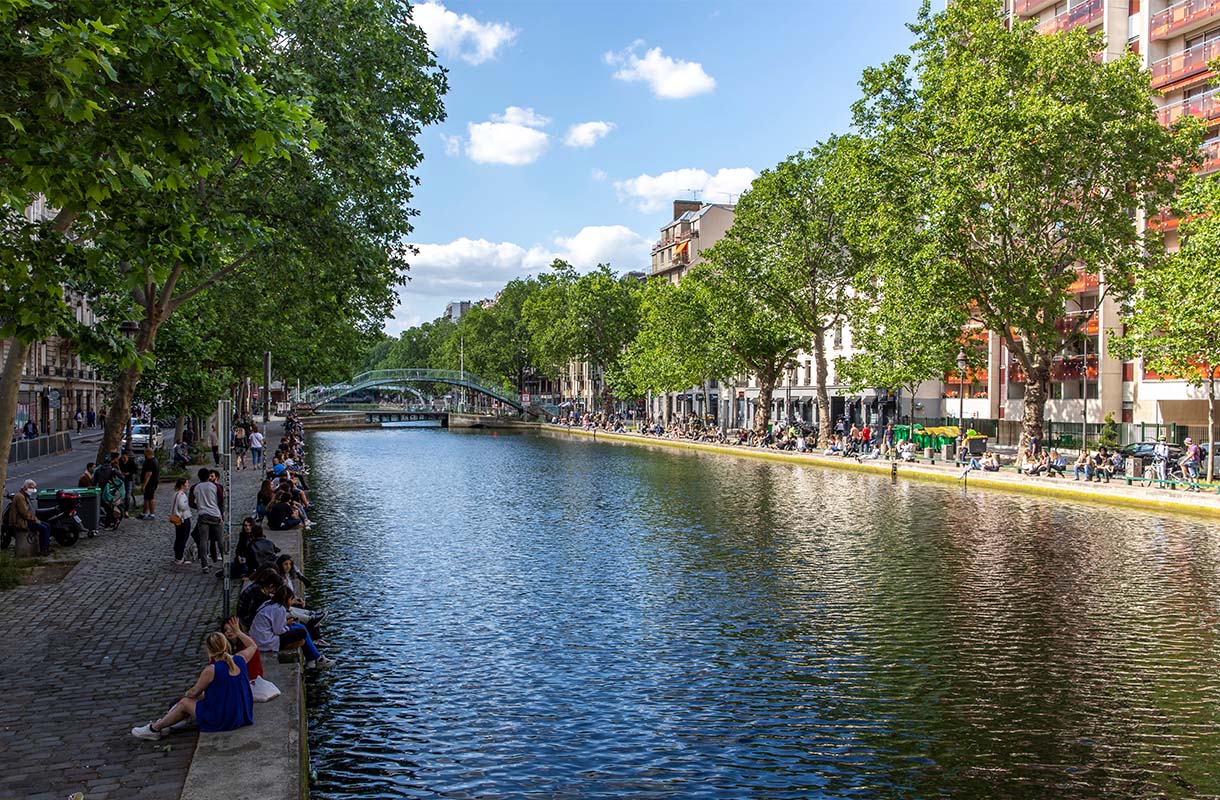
column 388, row 377
column 29, row 449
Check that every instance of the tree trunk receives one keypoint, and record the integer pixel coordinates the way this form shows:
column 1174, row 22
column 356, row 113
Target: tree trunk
column 821, row 376
column 179, row 425
column 124, row 391
column 1037, row 382
column 762, row 415
column 10, row 388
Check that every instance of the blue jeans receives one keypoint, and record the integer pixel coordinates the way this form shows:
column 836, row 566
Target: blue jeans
column 44, row 534
column 298, row 633
column 1087, row 472
column 256, row 456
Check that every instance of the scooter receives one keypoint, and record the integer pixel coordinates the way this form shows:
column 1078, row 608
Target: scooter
column 63, row 518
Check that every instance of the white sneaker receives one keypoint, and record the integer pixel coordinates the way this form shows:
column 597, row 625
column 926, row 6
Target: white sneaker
column 322, row 663
column 147, row 732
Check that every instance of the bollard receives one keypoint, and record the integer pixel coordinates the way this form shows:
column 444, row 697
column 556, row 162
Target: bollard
column 894, row 470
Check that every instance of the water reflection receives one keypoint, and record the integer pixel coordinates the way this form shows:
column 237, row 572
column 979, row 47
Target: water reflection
column 525, row 616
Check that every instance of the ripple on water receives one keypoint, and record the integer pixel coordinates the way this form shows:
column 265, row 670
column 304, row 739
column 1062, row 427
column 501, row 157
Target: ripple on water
column 523, row 616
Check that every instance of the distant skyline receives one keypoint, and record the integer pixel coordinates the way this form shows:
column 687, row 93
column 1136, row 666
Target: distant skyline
column 572, row 126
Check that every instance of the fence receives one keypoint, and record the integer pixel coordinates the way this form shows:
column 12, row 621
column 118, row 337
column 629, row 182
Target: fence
column 27, row 449
column 1066, row 435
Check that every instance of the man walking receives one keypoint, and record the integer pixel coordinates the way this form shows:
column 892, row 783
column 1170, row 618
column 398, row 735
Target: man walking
column 205, row 497
column 150, row 475
column 79, row 419
column 91, row 417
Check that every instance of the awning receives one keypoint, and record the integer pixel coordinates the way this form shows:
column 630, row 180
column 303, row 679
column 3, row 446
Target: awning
column 682, row 248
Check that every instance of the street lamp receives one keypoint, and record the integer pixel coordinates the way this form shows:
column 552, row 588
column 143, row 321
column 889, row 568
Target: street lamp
column 129, row 329
column 961, row 396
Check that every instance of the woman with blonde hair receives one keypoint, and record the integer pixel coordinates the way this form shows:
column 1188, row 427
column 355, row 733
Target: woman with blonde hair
column 220, row 700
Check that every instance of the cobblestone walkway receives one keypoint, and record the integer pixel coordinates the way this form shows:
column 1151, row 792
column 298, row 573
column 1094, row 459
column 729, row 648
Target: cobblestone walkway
column 111, row 646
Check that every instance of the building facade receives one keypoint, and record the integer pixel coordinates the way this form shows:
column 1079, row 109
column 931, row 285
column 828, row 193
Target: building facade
column 1176, row 39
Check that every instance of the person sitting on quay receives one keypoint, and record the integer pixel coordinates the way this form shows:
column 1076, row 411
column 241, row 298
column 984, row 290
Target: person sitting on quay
column 220, row 700
column 906, row 450
column 272, row 632
column 260, row 587
column 1116, row 465
column 298, row 611
column 990, row 462
column 1057, row 465
column 1083, row 466
column 1099, row 459
column 284, row 514
column 1043, row 467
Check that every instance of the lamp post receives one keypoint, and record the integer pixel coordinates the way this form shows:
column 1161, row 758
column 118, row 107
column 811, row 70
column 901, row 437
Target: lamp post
column 961, row 397
column 788, row 399
column 129, row 329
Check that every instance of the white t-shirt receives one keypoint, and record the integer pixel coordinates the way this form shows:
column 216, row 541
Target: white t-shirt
column 256, row 439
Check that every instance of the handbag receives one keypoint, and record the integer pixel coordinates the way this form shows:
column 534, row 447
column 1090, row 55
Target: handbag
column 174, row 519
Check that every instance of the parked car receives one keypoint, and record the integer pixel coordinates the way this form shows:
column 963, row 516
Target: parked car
column 142, row 435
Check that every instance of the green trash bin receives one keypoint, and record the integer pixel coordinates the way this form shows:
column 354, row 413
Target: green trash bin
column 90, row 509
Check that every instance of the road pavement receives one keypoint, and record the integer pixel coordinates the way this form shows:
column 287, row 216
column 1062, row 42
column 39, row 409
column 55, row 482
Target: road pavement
column 57, row 472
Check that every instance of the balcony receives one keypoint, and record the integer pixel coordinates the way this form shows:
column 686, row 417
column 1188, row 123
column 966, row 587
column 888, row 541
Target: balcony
column 1182, row 16
column 1023, row 8
column 1211, row 156
column 1189, row 62
column 1205, row 106
column 1088, row 13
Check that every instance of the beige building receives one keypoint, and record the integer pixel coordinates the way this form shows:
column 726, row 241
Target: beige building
column 55, row 383
column 695, row 227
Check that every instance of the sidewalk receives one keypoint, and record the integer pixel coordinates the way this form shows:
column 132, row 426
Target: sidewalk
column 1148, row 498
column 112, row 645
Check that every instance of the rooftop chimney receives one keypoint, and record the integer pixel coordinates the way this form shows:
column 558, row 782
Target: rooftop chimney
column 682, row 206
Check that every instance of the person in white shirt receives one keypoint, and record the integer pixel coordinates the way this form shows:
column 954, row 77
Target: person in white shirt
column 256, row 446
column 1160, row 457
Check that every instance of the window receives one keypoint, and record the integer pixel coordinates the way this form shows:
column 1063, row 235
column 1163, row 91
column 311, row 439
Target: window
column 839, row 335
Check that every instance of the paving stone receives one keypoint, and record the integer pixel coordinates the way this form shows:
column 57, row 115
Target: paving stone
column 111, row 646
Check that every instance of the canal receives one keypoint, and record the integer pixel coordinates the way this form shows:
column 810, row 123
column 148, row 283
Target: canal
column 524, row 615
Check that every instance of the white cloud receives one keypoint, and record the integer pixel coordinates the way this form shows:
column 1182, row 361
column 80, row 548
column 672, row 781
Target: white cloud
column 510, row 138
column 652, row 193
column 515, row 115
column 616, row 245
column 461, row 35
column 598, row 174
column 586, row 134
column 671, row 78
column 453, row 144
column 471, row 269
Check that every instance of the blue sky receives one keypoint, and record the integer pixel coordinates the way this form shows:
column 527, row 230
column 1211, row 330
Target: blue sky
column 668, row 96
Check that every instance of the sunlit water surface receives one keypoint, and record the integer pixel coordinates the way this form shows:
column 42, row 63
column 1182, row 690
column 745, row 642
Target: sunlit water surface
column 530, row 616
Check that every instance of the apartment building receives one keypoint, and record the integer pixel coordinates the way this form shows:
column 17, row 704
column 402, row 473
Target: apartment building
column 1176, row 39
column 55, row 383
column 695, row 227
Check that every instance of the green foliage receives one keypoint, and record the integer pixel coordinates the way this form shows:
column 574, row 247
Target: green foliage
column 1006, row 192
column 1173, row 322
column 1109, row 431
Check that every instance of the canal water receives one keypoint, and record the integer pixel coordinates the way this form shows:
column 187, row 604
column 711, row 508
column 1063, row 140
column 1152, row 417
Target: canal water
column 531, row 616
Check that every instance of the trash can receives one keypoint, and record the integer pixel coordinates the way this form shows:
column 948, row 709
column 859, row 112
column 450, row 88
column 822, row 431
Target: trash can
column 977, row 445
column 47, row 501
column 928, row 453
column 90, row 508
column 946, row 452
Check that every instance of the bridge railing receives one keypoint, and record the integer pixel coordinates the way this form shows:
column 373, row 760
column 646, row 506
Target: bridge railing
column 324, row 394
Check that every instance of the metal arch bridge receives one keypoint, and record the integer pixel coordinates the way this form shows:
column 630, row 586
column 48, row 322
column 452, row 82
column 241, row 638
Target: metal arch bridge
column 321, row 395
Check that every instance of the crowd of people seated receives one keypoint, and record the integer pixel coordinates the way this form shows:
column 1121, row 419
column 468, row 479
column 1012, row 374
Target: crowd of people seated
column 270, row 616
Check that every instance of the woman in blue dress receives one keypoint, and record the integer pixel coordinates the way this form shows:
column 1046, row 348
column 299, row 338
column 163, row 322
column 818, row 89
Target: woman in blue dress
column 220, row 700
